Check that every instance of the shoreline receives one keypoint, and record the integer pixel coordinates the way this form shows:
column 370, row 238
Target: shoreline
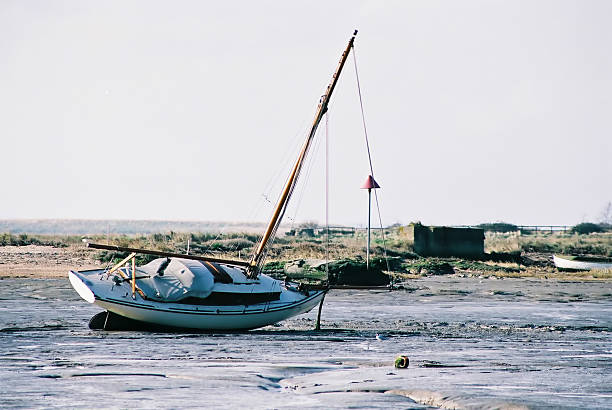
column 46, row 262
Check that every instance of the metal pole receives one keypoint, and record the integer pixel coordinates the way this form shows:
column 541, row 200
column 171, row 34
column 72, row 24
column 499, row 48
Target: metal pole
column 327, row 195
column 369, row 215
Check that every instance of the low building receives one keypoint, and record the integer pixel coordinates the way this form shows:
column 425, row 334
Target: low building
column 445, row 241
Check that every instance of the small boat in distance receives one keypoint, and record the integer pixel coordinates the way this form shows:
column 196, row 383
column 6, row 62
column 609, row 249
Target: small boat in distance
column 581, row 263
column 201, row 292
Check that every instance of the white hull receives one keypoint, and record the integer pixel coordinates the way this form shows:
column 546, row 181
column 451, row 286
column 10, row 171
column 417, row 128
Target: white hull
column 572, row 264
column 96, row 288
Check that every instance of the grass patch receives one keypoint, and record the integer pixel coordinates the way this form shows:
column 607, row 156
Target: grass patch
column 429, row 266
column 594, row 244
column 24, row 239
column 448, row 266
column 476, row 266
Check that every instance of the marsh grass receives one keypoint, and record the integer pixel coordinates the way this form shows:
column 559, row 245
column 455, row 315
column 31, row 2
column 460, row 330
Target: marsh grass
column 352, row 246
column 594, row 275
column 502, row 242
column 573, row 244
column 23, row 239
column 566, row 243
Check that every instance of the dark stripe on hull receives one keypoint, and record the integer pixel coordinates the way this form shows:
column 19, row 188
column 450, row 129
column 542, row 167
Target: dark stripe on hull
column 202, row 313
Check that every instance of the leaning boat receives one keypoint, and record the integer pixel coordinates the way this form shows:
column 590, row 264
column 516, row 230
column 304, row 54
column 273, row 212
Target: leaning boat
column 578, row 263
column 200, row 292
column 193, row 294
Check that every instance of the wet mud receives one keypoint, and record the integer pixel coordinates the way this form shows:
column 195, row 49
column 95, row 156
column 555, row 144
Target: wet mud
column 472, row 343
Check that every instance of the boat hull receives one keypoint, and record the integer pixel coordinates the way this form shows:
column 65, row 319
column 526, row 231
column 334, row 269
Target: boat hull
column 566, row 263
column 119, row 300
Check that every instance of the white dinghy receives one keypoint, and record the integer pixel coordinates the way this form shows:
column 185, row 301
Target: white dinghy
column 580, row 263
column 200, row 292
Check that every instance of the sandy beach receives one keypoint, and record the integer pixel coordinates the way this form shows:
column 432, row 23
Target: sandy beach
column 35, row 261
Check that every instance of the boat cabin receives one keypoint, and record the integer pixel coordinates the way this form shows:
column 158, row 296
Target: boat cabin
column 197, row 282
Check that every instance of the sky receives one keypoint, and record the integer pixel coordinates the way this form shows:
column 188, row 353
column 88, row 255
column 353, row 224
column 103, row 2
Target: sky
column 476, row 111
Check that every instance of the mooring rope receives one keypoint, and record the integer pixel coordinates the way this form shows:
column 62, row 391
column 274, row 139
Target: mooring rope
column 365, row 132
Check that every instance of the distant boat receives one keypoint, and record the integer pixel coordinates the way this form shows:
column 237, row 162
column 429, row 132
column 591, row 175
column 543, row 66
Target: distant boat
column 577, row 263
column 201, row 292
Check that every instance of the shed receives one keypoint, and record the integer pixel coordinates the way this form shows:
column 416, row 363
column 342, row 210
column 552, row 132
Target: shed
column 446, row 241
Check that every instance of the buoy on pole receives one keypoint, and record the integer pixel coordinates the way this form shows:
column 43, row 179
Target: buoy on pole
column 369, row 184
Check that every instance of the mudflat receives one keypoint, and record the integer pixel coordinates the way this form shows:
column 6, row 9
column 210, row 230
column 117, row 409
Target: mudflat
column 485, row 343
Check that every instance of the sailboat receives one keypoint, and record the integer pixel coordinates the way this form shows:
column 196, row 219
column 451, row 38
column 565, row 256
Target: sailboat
column 201, row 292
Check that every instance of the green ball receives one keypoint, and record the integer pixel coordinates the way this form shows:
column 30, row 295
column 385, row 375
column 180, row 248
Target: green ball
column 402, row 362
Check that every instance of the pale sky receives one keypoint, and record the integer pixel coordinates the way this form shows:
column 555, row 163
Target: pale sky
column 477, row 111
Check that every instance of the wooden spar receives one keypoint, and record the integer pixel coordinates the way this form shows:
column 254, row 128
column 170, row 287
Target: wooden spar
column 133, row 276
column 167, row 254
column 257, row 259
column 117, row 267
column 120, row 264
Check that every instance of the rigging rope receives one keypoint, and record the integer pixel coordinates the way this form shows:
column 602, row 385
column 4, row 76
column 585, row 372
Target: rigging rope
column 264, row 199
column 309, row 165
column 302, row 188
column 293, row 145
column 283, row 209
column 365, row 132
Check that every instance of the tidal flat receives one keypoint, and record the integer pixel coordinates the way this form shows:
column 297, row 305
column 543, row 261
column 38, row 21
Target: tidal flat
column 472, row 343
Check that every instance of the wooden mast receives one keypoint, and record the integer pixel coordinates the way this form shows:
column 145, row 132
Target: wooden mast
column 258, row 257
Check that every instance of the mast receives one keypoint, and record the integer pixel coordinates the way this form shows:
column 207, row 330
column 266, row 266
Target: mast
column 279, row 211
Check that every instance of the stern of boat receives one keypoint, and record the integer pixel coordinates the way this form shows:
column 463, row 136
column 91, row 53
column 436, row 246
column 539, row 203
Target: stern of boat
column 82, row 285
